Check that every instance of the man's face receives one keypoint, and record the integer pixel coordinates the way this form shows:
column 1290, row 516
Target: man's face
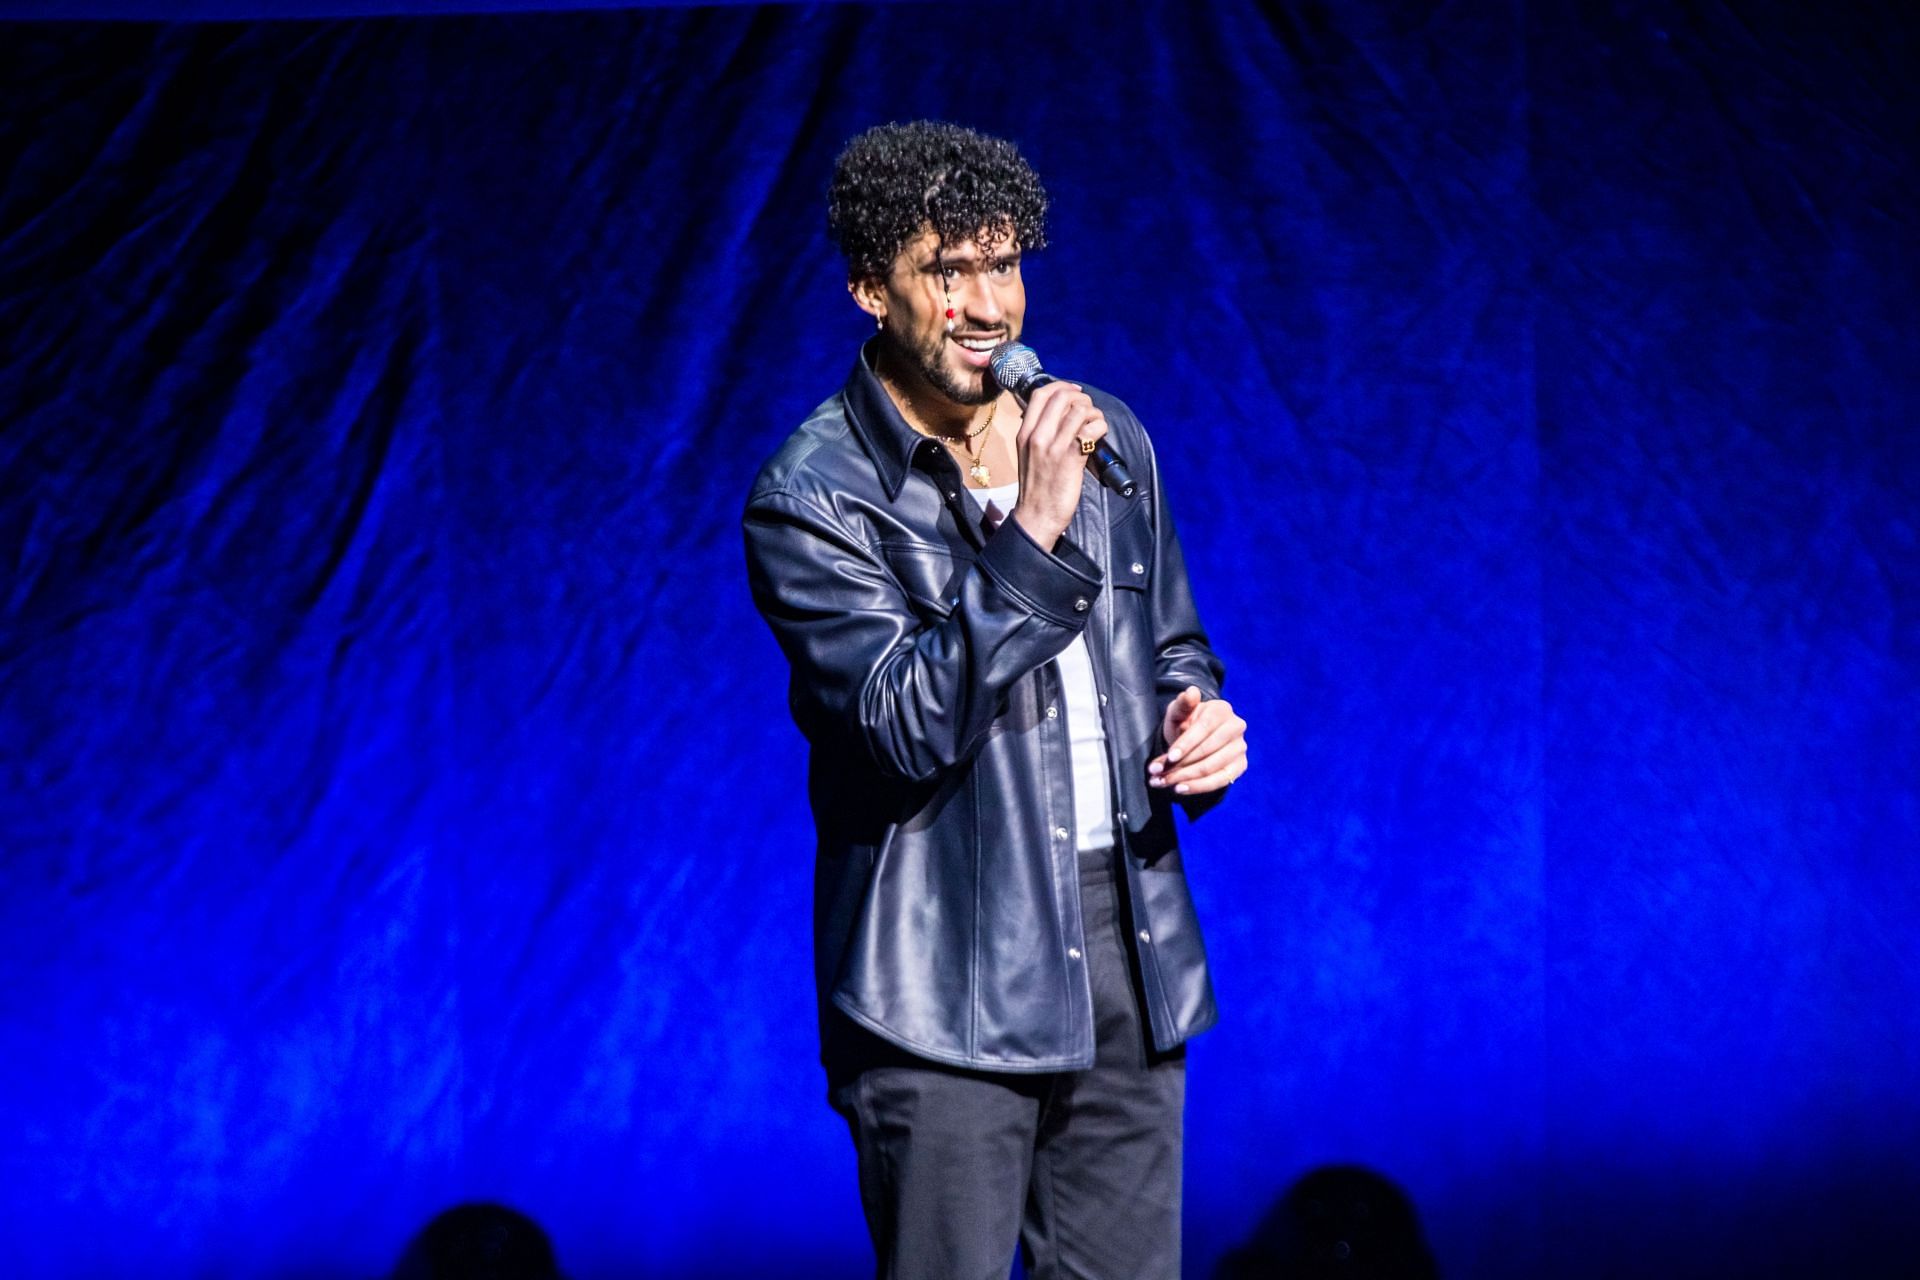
column 989, row 303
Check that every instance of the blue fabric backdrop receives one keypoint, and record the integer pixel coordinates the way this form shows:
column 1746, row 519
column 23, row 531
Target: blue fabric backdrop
column 398, row 801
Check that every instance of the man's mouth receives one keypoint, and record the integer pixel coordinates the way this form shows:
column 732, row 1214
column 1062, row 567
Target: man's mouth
column 978, row 347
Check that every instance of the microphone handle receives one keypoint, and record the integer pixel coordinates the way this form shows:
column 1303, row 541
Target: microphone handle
column 1108, row 467
column 1111, row 470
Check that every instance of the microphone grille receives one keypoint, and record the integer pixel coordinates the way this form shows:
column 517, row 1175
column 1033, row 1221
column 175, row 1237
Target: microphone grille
column 1014, row 366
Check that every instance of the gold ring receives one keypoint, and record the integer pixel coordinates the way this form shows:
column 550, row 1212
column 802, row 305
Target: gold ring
column 1086, row 446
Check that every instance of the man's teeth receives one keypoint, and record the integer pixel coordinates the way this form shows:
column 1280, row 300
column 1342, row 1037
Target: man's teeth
column 978, row 344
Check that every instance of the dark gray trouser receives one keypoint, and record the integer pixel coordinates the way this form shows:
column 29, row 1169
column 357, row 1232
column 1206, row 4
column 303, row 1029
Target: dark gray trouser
column 1083, row 1167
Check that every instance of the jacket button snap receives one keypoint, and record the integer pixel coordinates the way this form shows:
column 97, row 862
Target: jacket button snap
column 1145, row 936
column 1073, row 953
column 1059, row 833
column 1053, row 713
column 1122, row 815
column 1137, row 567
column 1081, row 604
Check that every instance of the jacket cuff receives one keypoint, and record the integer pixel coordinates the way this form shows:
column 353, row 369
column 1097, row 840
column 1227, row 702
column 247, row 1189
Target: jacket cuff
column 1059, row 585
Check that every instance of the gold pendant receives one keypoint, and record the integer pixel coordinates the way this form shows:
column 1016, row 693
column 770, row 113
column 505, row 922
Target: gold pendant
column 980, row 473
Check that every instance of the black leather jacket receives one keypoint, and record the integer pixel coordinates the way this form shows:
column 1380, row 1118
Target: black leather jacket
column 947, row 895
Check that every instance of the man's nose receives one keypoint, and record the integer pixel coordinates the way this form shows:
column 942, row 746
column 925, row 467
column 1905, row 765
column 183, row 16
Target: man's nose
column 983, row 302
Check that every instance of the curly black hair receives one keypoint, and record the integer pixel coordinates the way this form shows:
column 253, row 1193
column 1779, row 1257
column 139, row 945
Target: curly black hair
column 893, row 181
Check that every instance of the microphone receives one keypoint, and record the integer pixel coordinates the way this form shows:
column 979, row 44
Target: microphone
column 1016, row 368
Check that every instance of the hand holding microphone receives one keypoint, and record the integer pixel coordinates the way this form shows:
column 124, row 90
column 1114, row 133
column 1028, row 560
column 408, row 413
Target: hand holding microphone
column 1016, row 368
column 1053, row 468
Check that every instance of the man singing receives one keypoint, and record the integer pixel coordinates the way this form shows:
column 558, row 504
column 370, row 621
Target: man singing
column 999, row 671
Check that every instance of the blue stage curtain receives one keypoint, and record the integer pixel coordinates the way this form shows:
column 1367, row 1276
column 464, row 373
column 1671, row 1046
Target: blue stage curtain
column 397, row 801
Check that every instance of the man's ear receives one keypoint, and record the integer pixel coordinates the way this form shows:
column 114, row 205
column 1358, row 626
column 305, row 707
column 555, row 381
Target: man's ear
column 870, row 295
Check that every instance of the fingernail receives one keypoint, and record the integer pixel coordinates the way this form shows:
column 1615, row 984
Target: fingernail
column 1181, row 789
column 1155, row 767
column 1156, row 782
column 1173, row 757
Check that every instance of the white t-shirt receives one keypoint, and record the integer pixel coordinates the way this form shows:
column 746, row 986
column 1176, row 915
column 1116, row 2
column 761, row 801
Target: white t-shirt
column 1092, row 790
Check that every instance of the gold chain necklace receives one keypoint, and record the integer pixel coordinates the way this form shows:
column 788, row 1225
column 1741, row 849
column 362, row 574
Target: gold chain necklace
column 974, row 454
column 978, row 470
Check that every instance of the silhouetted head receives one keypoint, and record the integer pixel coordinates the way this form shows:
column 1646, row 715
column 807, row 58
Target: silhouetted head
column 1338, row 1220
column 479, row 1242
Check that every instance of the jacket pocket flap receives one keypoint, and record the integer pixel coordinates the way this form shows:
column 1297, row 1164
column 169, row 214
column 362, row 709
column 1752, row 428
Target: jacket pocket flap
column 1130, row 550
column 930, row 575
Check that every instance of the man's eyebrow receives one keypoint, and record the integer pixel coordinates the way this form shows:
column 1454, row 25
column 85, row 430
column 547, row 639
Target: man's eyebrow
column 967, row 257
